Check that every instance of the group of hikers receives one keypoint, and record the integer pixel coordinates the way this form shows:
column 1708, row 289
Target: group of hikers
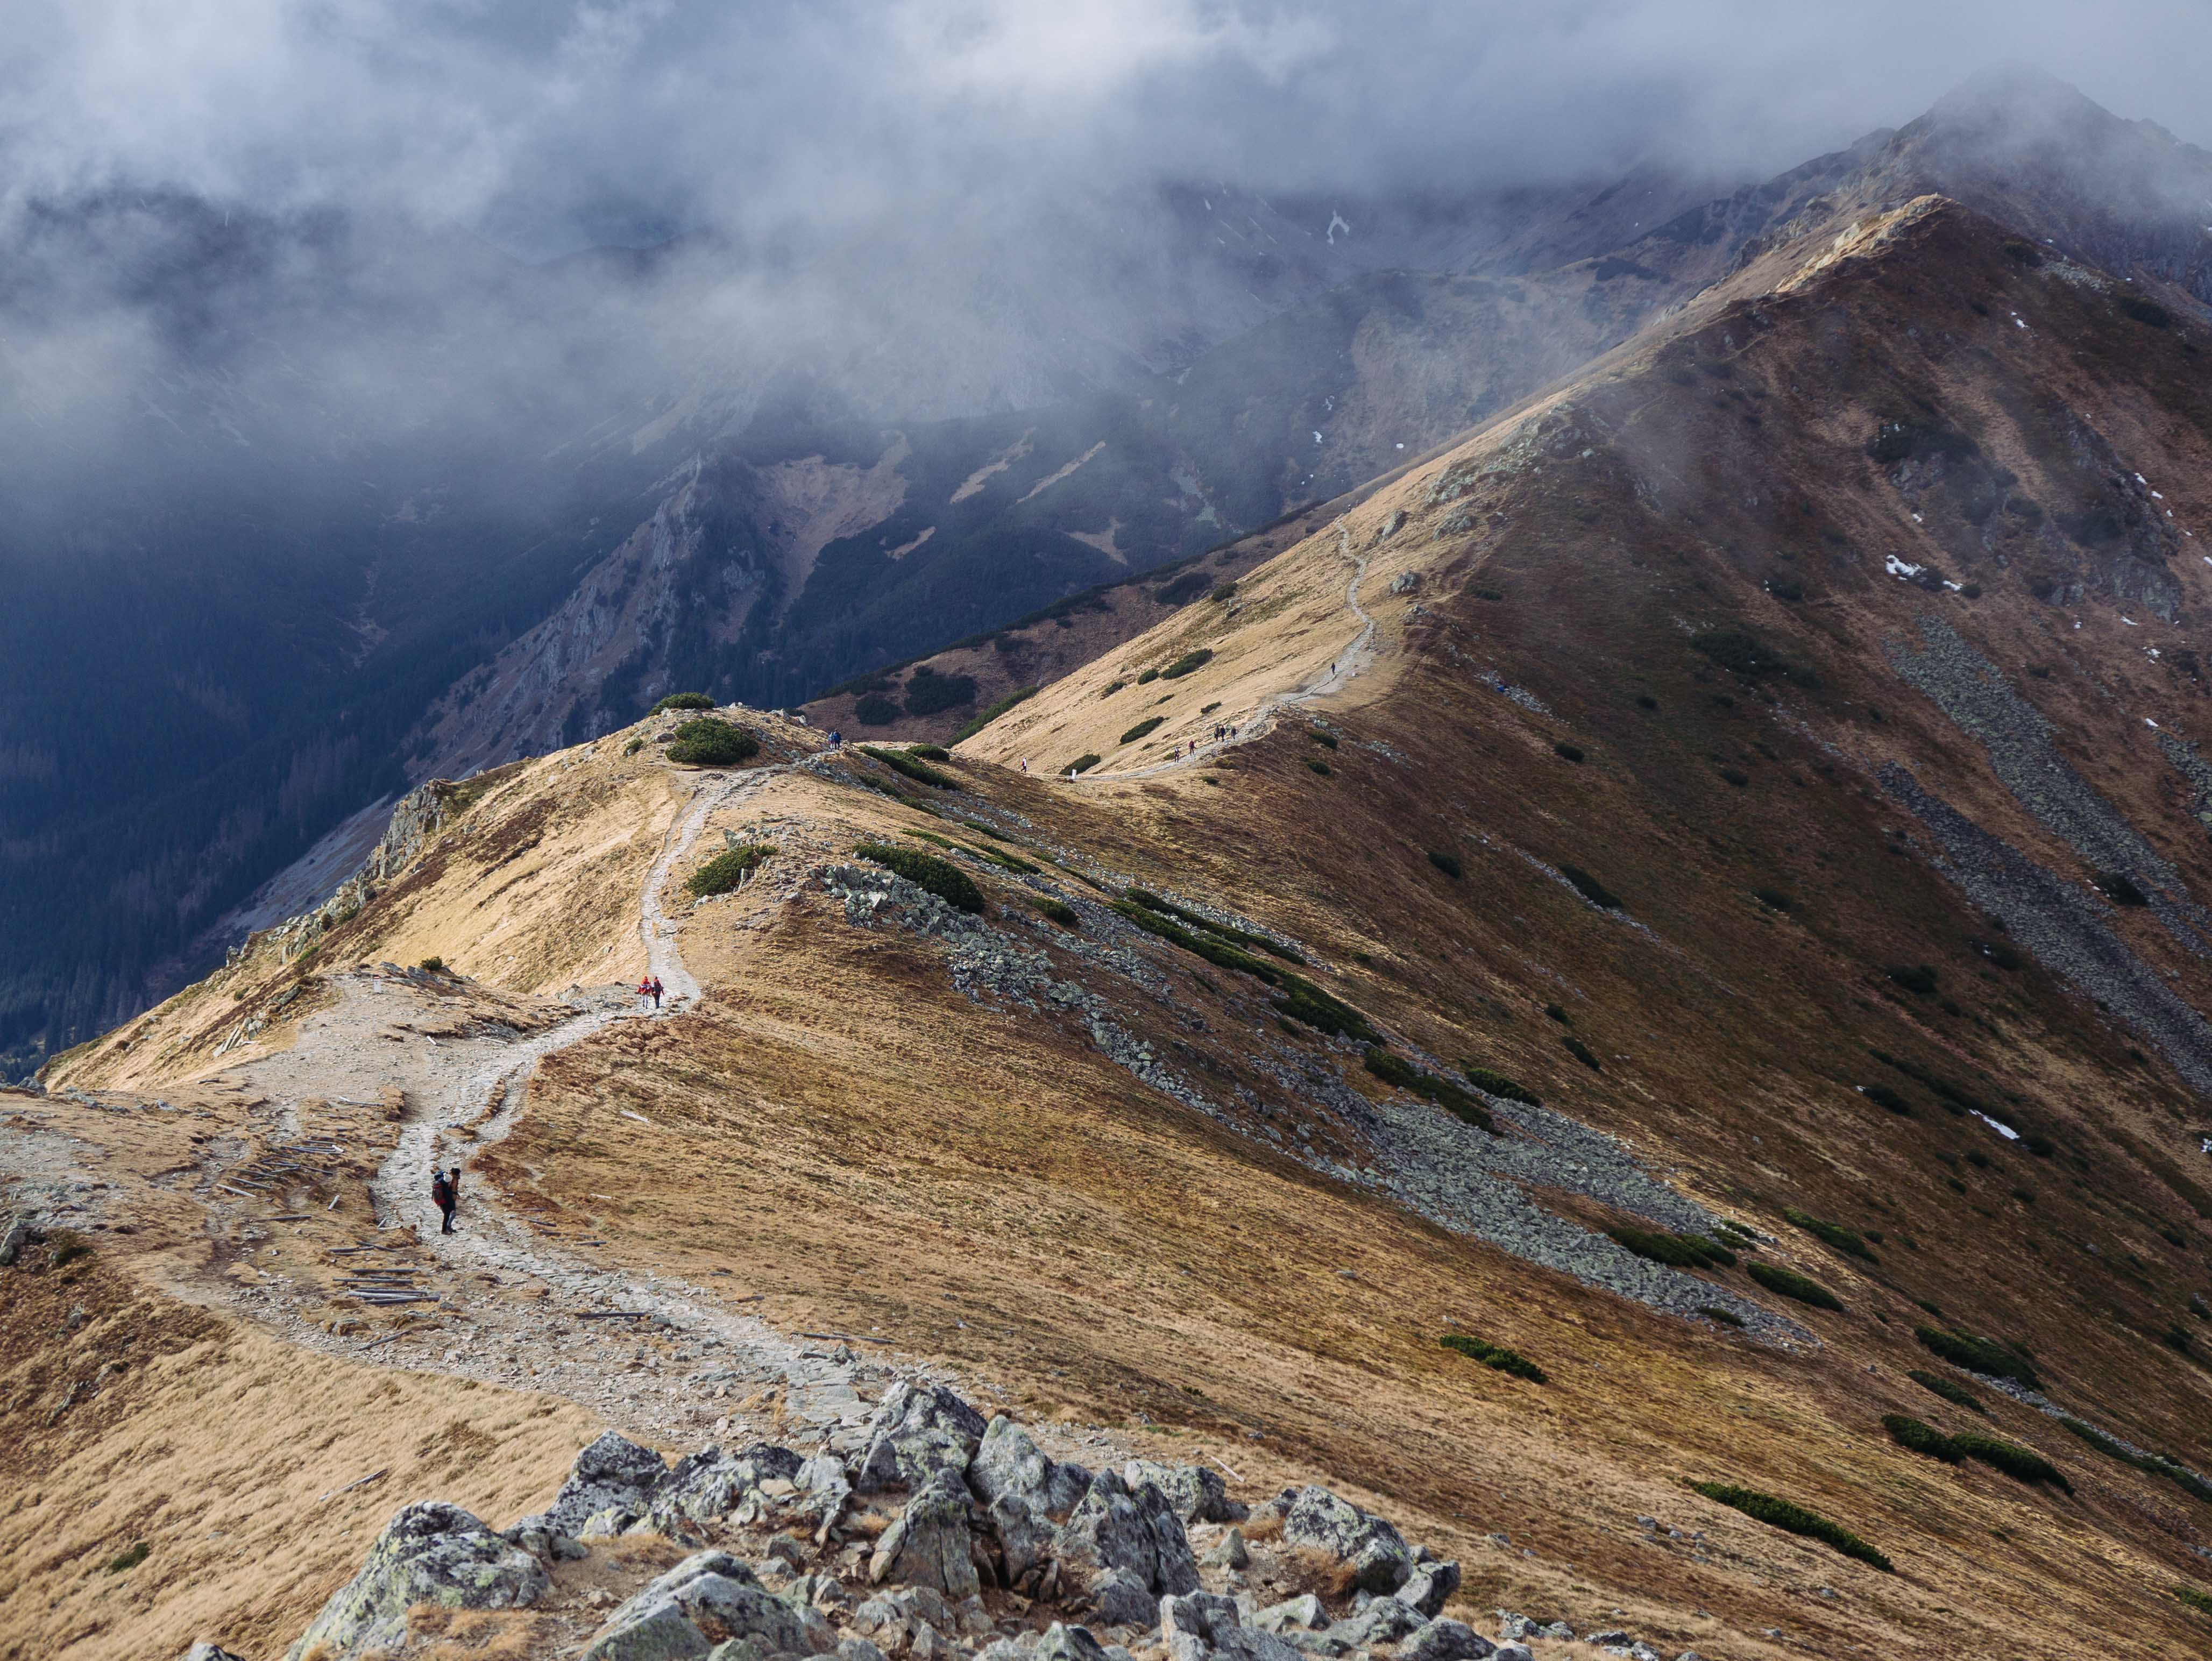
column 651, row 989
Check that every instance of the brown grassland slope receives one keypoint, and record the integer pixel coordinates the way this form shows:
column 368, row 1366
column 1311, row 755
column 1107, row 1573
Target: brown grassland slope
column 1687, row 626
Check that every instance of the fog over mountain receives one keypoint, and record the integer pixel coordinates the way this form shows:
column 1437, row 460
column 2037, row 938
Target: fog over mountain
column 391, row 389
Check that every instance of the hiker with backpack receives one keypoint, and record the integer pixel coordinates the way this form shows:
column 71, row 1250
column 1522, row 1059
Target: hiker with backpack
column 658, row 989
column 445, row 1194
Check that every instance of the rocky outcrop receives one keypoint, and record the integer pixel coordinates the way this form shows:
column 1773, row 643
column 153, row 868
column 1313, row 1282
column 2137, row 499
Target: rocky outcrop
column 931, row 1545
column 707, row 1600
column 1377, row 1554
column 916, row 1431
column 612, row 1473
column 1205, row 1625
column 430, row 1553
column 1195, row 1493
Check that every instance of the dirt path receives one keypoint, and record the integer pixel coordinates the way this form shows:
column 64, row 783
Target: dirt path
column 516, row 1307
column 1347, row 665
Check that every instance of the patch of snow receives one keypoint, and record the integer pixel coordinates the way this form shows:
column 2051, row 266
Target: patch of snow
column 2152, row 725
column 1402, row 446
column 1954, row 587
column 1917, row 519
column 1316, row 437
column 1899, row 568
column 2004, row 1130
column 2132, row 623
column 1337, row 222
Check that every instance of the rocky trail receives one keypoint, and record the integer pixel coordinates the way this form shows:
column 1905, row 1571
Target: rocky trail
column 1343, row 669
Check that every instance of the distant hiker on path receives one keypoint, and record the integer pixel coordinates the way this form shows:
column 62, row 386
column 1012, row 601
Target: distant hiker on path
column 645, row 990
column 657, row 990
column 445, row 1192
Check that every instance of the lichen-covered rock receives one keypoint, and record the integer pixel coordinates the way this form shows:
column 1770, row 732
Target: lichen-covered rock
column 1175, row 1571
column 1205, row 1625
column 1302, row 1612
column 1382, row 1621
column 931, row 1545
column 917, row 1431
column 204, row 1651
column 1065, row 1643
column 613, row 1472
column 1106, row 1530
column 429, row 1553
column 1024, row 1537
column 14, row 1234
column 1446, row 1640
column 1316, row 1519
column 1119, row 1598
column 1198, row 1494
column 1429, row 1586
column 1229, row 1552
column 544, row 1543
column 719, row 1600
column 1008, row 1462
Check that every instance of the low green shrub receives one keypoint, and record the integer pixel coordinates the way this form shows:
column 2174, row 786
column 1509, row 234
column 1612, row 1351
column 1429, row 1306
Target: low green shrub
column 1323, row 737
column 433, row 966
column 1772, row 898
column 1793, row 1519
column 1317, row 764
column 1949, row 1389
column 1152, row 902
column 874, row 710
column 1568, row 752
column 1002, row 859
column 1736, row 776
column 1112, row 688
column 1581, row 1051
column 926, row 871
column 728, row 869
column 1303, row 1001
column 1678, row 1250
column 1560, row 1014
column 1982, row 1355
column 1918, row 978
column 1645, row 701
column 1223, row 592
column 1497, row 1084
column 1845, row 1240
column 2201, row 1601
column 1446, row 863
column 2156, row 1464
column 928, row 693
column 682, row 700
column 2023, row 1464
column 994, row 711
column 1148, row 678
column 1882, row 1096
column 1713, row 1312
column 2147, row 311
column 1494, row 1356
column 710, row 742
column 1918, row 1436
column 1150, row 725
column 929, row 752
column 1082, row 763
column 1789, row 1283
column 1590, row 888
column 920, row 771
column 1391, row 1069
column 125, row 1560
column 1744, row 655
column 1956, row 1101
column 1786, row 588
column 1058, row 911
column 633, row 746
column 1487, row 594
column 1189, row 663
column 2120, row 888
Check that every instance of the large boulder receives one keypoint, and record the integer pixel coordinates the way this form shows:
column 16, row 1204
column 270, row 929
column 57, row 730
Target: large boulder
column 931, row 1543
column 1317, row 1520
column 1429, row 1586
column 1106, row 1530
column 1065, row 1643
column 1381, row 1621
column 1198, row 1494
column 1205, row 1624
column 1008, row 1463
column 1175, row 1571
column 430, row 1553
column 708, row 1599
column 1024, row 1536
column 15, row 1233
column 1446, row 1640
column 916, row 1431
column 612, row 1473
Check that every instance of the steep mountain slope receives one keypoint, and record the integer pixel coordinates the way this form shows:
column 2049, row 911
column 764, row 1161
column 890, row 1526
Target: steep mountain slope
column 1754, row 748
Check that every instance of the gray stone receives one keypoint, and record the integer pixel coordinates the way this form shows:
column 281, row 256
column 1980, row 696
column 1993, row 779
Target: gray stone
column 660, row 1634
column 14, row 1235
column 1205, row 1624
column 1024, row 1536
column 930, row 1545
column 1007, row 1461
column 605, row 1525
column 613, row 1471
column 851, row 1647
column 1313, row 1518
column 1107, row 1531
column 204, row 1651
column 1446, row 1640
column 1065, row 1643
column 1512, row 1652
column 719, row 1597
column 1197, row 1494
column 1231, row 1552
column 1429, row 1586
column 1303, row 1611
column 700, row 1488
column 766, row 1461
column 1120, row 1599
column 429, row 1553
column 544, row 1543
column 1176, row 1572
column 916, row 1431
column 1383, row 1621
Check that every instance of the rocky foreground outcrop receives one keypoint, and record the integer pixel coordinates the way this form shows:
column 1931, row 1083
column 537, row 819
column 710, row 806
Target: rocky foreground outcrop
column 948, row 1538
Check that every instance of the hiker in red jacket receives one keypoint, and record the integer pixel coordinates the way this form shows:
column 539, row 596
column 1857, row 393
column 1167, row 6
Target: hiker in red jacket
column 445, row 1193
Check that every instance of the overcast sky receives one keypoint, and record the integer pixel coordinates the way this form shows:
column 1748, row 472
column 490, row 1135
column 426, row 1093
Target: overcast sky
column 545, row 125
